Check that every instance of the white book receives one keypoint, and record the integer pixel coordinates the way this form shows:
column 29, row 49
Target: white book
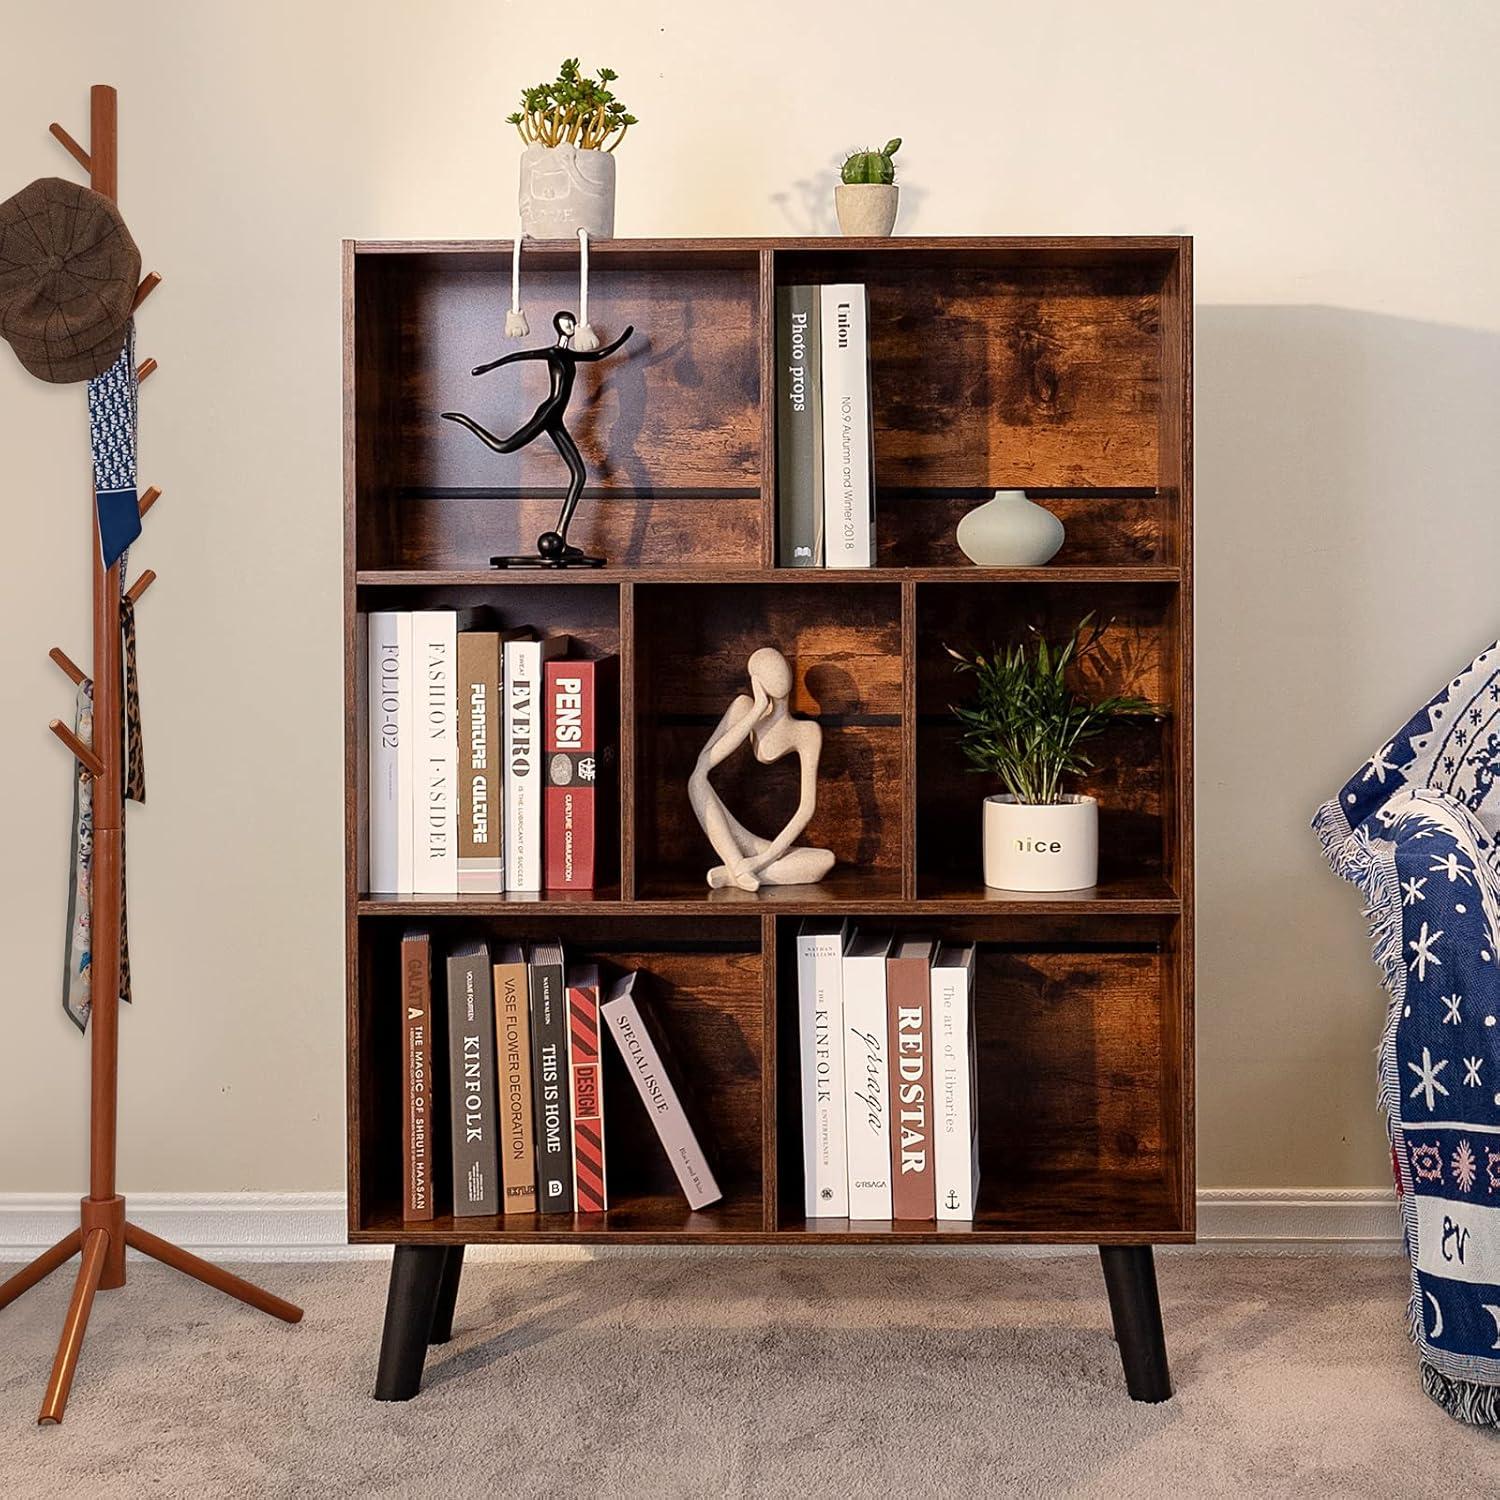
column 525, row 783
column 848, row 481
column 820, row 1011
column 389, row 647
column 435, row 752
column 406, row 759
column 955, row 1080
column 867, row 1076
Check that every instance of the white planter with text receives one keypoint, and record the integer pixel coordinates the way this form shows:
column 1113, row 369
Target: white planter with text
column 1032, row 847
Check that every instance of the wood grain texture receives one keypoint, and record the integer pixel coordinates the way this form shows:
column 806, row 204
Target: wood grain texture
column 918, row 528
column 984, row 374
column 677, row 407
column 428, row 532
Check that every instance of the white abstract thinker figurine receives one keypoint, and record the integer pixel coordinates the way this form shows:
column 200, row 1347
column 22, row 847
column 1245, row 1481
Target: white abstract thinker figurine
column 764, row 720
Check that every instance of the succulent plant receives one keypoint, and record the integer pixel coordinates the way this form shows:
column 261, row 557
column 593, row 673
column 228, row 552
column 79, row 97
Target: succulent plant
column 872, row 166
column 575, row 110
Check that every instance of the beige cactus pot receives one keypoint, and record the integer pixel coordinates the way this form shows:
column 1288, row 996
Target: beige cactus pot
column 866, row 209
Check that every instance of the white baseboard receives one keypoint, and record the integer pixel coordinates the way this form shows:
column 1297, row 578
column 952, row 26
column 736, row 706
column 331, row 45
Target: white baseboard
column 310, row 1226
column 1298, row 1216
column 218, row 1226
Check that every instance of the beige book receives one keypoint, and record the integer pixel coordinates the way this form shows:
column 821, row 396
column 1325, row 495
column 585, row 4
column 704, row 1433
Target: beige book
column 480, row 790
column 513, row 1042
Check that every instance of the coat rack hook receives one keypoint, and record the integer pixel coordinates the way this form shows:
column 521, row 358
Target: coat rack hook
column 72, row 147
column 139, row 587
column 69, row 666
column 148, row 499
column 85, row 757
column 146, row 368
column 145, row 289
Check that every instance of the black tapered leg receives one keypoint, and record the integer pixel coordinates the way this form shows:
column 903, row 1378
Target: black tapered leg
column 410, row 1305
column 442, row 1314
column 1130, row 1279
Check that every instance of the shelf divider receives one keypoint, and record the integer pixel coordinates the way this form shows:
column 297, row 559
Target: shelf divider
column 908, row 740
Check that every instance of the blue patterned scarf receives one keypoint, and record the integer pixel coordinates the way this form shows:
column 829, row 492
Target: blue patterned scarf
column 1415, row 829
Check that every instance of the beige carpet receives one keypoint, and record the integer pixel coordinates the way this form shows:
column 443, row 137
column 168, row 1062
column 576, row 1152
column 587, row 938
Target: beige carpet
column 747, row 1375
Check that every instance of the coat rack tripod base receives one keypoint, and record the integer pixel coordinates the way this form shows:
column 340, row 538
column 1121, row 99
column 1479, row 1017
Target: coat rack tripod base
column 104, row 1234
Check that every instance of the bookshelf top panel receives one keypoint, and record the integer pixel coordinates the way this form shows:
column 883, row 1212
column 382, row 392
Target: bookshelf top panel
column 484, row 255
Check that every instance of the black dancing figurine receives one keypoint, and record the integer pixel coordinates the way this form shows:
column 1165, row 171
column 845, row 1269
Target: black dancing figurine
column 552, row 549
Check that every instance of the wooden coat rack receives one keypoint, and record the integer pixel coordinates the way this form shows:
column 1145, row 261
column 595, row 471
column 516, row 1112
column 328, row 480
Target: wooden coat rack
column 103, row 1233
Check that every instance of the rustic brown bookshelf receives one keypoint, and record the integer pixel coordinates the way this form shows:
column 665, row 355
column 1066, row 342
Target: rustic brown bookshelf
column 1061, row 366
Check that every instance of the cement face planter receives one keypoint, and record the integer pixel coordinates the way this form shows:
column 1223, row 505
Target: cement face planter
column 866, row 209
column 1032, row 848
column 565, row 189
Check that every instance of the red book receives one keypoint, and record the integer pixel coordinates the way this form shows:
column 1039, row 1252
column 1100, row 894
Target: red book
column 587, row 1066
column 908, row 993
column 580, row 811
column 416, row 1075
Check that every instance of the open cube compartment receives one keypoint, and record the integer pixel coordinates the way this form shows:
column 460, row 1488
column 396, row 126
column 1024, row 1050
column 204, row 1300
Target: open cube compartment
column 1134, row 759
column 997, row 370
column 587, row 612
column 670, row 426
column 844, row 646
column 1081, row 1128
column 706, row 989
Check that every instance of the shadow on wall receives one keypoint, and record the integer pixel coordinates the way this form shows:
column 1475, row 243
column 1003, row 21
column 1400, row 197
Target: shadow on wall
column 1348, row 562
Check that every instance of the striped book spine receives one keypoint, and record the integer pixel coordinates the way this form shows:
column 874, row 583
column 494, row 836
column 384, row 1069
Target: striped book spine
column 590, row 1193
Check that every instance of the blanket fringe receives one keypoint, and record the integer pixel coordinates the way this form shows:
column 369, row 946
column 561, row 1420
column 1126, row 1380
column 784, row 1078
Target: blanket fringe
column 1359, row 860
column 1478, row 1405
column 1332, row 829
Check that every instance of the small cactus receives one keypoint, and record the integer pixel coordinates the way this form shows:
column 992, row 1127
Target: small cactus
column 872, row 166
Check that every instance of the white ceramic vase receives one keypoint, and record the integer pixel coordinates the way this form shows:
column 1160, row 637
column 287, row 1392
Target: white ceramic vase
column 1010, row 531
column 866, row 208
column 1041, row 848
column 565, row 189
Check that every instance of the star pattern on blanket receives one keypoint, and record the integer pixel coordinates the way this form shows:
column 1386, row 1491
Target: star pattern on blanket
column 1427, row 1078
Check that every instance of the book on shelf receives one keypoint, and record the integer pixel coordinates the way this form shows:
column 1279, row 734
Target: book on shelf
column 955, row 1129
column 416, row 1076
column 908, row 983
column 479, row 750
column 820, row 1011
column 392, row 685
column 660, row 1083
column 867, row 1076
column 550, row 1079
column 524, row 662
column 590, row 1193
column 513, row 1045
column 580, row 811
column 435, row 748
column 799, row 427
column 848, row 467
column 471, row 1075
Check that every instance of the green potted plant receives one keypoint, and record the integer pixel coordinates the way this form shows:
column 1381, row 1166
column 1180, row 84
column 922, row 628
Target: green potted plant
column 1027, row 725
column 570, row 128
column 866, row 196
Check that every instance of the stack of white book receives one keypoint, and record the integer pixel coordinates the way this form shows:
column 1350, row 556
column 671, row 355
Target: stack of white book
column 456, row 775
column 889, row 1096
column 825, row 483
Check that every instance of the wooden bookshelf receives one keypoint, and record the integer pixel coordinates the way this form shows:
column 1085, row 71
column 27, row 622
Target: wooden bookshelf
column 1061, row 366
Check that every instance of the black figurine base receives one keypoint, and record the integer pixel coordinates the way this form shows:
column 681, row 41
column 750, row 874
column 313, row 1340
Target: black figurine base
column 552, row 551
column 533, row 561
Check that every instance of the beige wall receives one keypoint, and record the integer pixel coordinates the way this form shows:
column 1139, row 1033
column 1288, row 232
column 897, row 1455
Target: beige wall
column 1337, row 164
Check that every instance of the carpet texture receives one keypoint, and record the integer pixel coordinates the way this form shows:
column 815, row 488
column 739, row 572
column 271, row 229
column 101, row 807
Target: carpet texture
column 757, row 1374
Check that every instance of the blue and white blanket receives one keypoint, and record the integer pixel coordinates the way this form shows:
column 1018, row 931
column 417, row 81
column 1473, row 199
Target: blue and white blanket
column 1415, row 829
